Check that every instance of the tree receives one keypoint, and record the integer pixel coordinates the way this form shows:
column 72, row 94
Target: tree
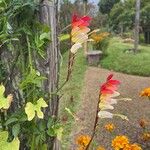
column 122, row 13
column 105, row 6
column 137, row 25
column 125, row 13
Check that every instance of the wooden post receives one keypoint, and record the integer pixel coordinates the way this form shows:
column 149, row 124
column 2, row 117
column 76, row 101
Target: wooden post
column 48, row 15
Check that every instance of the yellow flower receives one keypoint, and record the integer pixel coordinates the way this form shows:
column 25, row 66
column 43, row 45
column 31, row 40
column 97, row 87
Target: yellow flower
column 146, row 136
column 83, row 140
column 109, row 127
column 99, row 37
column 145, row 92
column 100, row 148
column 120, row 142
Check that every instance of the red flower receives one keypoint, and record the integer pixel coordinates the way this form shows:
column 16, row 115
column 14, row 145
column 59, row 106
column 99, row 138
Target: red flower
column 80, row 21
column 110, row 86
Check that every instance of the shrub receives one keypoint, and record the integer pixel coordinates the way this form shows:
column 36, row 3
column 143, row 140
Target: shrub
column 101, row 41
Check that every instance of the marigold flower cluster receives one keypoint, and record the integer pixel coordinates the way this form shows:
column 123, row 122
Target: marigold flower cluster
column 122, row 143
column 99, row 37
column 82, row 141
column 145, row 92
column 109, row 127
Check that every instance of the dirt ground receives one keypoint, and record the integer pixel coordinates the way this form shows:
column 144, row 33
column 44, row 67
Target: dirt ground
column 136, row 109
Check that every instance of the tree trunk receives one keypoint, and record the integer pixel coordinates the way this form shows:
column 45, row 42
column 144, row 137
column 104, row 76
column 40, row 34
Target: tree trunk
column 137, row 23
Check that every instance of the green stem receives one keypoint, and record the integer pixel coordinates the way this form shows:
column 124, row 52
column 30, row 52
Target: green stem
column 95, row 125
column 33, row 136
column 2, row 120
column 29, row 53
column 33, row 143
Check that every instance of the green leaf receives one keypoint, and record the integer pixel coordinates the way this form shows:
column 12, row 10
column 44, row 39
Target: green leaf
column 11, row 120
column 30, row 109
column 44, row 147
column 55, row 130
column 32, row 78
column 51, row 132
column 59, row 133
column 64, row 37
column 45, row 36
column 16, row 130
column 4, row 102
column 40, row 103
column 4, row 145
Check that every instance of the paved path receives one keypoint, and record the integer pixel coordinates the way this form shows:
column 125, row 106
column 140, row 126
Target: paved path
column 135, row 110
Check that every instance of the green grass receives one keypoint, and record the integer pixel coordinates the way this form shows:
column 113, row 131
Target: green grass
column 71, row 93
column 118, row 58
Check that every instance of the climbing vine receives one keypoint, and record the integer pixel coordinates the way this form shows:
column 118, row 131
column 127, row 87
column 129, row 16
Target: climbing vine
column 23, row 39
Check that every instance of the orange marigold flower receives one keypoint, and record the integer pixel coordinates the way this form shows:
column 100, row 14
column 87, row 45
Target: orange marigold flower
column 100, row 148
column 135, row 147
column 132, row 147
column 127, row 147
column 145, row 92
column 83, row 140
column 120, row 142
column 146, row 136
column 109, row 127
column 81, row 148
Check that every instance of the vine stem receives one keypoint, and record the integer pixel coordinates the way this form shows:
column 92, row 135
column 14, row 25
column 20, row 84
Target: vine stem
column 29, row 52
column 33, row 143
column 95, row 125
column 33, row 137
column 2, row 120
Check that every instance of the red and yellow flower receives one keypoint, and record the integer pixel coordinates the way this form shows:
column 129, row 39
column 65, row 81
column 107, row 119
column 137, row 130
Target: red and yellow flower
column 79, row 32
column 110, row 86
column 108, row 91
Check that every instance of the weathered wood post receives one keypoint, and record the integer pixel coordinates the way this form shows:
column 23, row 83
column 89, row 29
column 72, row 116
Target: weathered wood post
column 48, row 16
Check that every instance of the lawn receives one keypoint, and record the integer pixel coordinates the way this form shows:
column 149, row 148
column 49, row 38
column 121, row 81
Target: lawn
column 119, row 59
column 71, row 93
